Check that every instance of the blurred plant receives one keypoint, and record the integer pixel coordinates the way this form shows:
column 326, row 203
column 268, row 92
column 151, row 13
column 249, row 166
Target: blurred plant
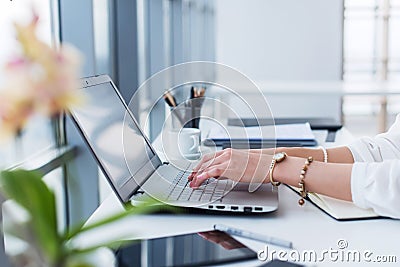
column 42, row 80
column 48, row 247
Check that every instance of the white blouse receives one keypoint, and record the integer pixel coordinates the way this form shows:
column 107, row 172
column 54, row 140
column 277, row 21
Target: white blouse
column 375, row 178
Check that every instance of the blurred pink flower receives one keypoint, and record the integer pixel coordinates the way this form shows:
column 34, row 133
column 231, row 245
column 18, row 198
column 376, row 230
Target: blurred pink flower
column 16, row 107
column 40, row 79
column 58, row 90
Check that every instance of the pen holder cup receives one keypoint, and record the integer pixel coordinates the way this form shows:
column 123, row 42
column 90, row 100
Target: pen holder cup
column 185, row 116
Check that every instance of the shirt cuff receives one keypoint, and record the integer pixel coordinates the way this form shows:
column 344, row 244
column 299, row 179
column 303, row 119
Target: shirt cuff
column 358, row 175
column 353, row 147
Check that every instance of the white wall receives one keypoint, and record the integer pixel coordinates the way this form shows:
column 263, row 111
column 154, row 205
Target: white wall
column 281, row 39
column 284, row 40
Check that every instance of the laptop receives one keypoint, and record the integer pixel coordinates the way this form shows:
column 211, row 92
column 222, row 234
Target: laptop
column 135, row 171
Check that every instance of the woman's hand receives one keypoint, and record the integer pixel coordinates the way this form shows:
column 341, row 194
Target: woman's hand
column 247, row 166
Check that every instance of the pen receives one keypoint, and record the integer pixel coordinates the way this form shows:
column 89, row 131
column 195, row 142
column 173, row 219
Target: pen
column 202, row 92
column 258, row 237
column 170, row 99
column 192, row 92
column 167, row 100
column 192, row 107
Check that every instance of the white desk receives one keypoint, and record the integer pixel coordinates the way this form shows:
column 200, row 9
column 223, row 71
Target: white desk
column 307, row 227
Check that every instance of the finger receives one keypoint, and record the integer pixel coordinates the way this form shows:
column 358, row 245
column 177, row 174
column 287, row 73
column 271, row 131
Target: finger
column 210, row 164
column 206, row 158
column 222, row 157
column 223, row 160
column 200, row 167
column 213, row 159
column 214, row 171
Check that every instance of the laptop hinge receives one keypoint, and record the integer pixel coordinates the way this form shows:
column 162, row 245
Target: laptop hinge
column 139, row 191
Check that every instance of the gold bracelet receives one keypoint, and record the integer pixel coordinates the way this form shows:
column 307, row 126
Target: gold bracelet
column 302, row 185
column 278, row 157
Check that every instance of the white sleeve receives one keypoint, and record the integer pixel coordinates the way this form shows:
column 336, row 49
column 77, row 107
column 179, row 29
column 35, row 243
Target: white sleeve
column 375, row 177
column 379, row 148
column 376, row 185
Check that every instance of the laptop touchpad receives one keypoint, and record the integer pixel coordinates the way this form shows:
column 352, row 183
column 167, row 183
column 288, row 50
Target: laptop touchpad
column 245, row 187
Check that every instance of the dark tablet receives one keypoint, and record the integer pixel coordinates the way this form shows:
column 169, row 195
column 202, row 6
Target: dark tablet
column 196, row 249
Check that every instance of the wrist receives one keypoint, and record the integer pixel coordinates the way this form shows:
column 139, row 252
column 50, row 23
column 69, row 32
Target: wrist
column 287, row 171
column 262, row 167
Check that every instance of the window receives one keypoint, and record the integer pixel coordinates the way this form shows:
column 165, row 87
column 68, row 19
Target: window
column 371, row 41
column 394, row 41
column 371, row 52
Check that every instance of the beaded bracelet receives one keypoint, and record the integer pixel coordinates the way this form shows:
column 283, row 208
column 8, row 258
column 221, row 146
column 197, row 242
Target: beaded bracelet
column 302, row 185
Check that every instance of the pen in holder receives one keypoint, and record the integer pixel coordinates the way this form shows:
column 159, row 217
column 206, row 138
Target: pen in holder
column 185, row 116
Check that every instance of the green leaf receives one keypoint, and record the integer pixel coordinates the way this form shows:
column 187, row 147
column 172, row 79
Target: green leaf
column 28, row 190
column 149, row 206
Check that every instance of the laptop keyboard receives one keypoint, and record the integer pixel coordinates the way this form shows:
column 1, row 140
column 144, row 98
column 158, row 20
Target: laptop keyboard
column 211, row 190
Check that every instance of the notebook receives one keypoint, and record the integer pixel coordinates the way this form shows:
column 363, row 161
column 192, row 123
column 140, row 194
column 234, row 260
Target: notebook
column 339, row 209
column 318, row 123
column 297, row 134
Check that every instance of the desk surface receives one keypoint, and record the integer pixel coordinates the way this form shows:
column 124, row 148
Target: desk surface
column 307, row 227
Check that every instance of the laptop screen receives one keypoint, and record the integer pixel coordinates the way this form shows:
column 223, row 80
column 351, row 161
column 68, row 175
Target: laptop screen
column 114, row 137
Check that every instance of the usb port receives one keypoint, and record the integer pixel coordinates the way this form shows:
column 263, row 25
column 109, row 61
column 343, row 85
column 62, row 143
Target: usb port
column 210, row 206
column 247, row 209
column 234, row 207
column 220, row 207
column 258, row 208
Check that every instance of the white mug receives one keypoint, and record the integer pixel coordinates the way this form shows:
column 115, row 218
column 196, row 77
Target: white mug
column 183, row 143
